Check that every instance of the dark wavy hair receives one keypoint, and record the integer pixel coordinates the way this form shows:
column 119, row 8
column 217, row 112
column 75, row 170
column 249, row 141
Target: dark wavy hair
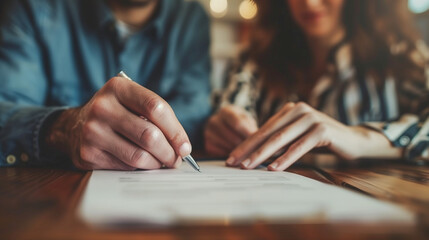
column 372, row 26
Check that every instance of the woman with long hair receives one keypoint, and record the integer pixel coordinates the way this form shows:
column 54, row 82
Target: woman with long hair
column 351, row 76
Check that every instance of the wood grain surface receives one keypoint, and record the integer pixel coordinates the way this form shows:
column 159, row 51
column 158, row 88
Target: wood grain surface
column 41, row 203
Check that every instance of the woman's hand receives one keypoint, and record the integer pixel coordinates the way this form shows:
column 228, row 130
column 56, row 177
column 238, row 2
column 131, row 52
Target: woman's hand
column 227, row 129
column 298, row 128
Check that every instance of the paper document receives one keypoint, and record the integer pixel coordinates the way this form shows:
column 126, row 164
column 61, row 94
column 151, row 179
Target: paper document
column 224, row 195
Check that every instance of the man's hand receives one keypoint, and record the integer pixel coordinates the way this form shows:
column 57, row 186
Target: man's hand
column 227, row 129
column 124, row 126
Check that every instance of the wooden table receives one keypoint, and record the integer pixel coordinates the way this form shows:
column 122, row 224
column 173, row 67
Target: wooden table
column 40, row 203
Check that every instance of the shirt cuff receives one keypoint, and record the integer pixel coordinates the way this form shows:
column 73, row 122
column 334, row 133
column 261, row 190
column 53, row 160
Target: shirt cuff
column 19, row 139
column 408, row 132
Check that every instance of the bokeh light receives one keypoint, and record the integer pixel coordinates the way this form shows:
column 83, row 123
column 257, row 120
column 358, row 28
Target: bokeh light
column 247, row 9
column 418, row 6
column 218, row 8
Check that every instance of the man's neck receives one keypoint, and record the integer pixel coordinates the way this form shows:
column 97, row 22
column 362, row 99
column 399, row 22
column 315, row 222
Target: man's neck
column 137, row 16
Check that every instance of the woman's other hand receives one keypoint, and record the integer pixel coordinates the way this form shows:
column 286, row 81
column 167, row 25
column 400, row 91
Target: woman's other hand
column 298, row 128
column 225, row 130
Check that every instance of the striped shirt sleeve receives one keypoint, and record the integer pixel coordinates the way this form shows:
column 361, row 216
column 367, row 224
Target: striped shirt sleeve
column 411, row 130
column 408, row 132
column 241, row 89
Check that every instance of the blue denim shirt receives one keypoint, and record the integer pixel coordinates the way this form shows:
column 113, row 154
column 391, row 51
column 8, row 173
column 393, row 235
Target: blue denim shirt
column 56, row 54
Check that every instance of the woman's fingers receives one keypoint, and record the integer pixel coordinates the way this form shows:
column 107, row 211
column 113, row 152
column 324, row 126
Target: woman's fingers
column 227, row 129
column 214, row 138
column 239, row 120
column 289, row 113
column 216, row 151
column 279, row 140
column 218, row 126
column 316, row 137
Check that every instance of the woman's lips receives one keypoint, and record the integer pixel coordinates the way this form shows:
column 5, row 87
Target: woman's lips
column 312, row 16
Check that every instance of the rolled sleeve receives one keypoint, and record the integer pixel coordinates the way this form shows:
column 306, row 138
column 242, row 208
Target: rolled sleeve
column 19, row 137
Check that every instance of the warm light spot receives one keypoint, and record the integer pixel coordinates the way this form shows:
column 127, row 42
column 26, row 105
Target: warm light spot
column 418, row 6
column 218, row 7
column 248, row 9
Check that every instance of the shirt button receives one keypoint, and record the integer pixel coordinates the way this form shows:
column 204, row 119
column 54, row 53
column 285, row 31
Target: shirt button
column 11, row 159
column 404, row 140
column 24, row 157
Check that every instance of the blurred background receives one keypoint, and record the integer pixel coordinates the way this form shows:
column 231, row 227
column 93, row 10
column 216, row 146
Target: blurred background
column 230, row 25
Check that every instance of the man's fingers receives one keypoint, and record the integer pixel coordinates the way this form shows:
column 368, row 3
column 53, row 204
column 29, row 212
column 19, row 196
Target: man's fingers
column 97, row 136
column 278, row 140
column 146, row 103
column 108, row 161
column 144, row 134
column 94, row 158
column 131, row 154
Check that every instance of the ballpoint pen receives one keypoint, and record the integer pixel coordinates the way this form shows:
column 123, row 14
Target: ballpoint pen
column 189, row 159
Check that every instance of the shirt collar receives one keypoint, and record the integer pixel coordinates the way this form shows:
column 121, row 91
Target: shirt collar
column 103, row 17
column 341, row 61
column 162, row 15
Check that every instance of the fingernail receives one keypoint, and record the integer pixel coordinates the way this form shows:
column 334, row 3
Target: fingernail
column 185, row 149
column 230, row 161
column 178, row 162
column 273, row 166
column 246, row 163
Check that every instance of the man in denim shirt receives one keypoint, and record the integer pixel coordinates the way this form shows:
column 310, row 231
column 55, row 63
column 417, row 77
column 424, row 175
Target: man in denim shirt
column 56, row 99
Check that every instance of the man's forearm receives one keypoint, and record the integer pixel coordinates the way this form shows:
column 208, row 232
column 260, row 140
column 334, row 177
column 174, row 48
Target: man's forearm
column 58, row 135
